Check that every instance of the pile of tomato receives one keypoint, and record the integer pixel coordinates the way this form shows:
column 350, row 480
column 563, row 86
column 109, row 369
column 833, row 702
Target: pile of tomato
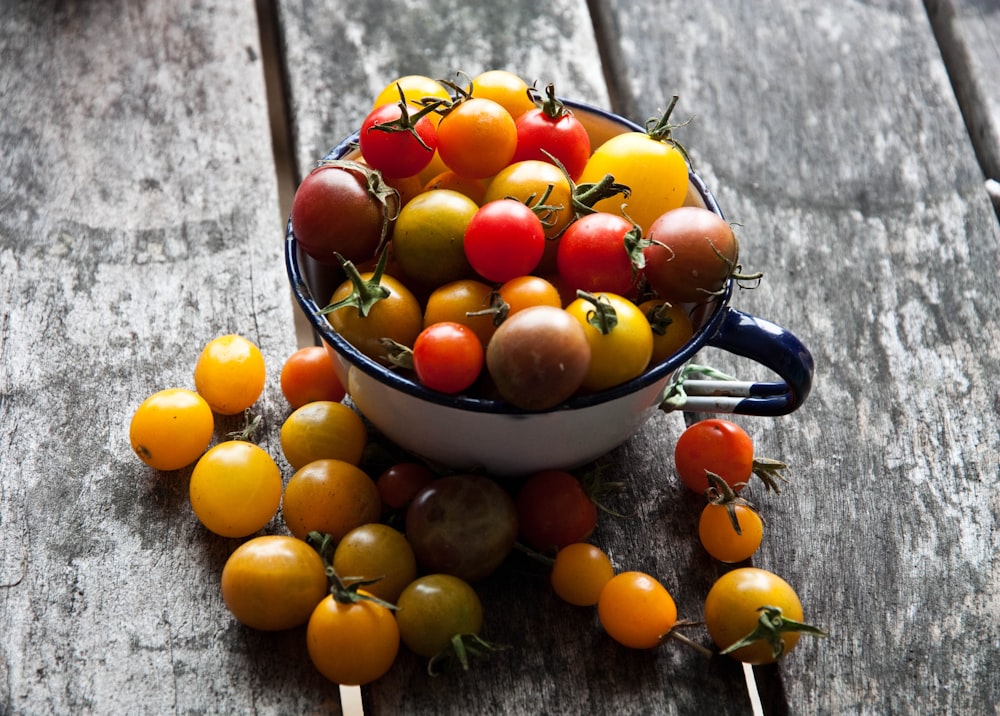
column 490, row 249
column 366, row 559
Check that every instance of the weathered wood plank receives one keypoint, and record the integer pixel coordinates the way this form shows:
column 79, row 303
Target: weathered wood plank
column 337, row 56
column 967, row 33
column 832, row 135
column 138, row 219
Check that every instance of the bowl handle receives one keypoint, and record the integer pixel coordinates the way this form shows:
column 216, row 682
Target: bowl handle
column 764, row 342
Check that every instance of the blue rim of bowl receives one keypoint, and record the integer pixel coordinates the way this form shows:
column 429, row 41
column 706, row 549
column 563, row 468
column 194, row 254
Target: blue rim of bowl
column 403, row 383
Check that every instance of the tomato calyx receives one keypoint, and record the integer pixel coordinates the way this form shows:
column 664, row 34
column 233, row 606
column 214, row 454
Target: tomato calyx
column 659, row 318
column 498, row 308
column 770, row 627
column 345, row 590
column 398, row 355
column 661, row 129
column 552, row 107
column 461, row 648
column 366, row 293
column 770, row 472
column 251, row 423
column 407, row 122
column 675, row 634
column 720, row 493
column 603, row 317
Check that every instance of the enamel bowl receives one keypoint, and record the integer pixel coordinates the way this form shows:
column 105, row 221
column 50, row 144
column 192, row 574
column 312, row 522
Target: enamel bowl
column 469, row 433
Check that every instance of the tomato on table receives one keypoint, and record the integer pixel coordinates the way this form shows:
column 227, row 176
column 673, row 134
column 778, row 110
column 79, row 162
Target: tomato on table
column 350, row 641
column 399, row 484
column 235, row 489
column 377, row 554
column 273, row 582
column 323, row 429
column 636, row 610
column 331, row 497
column 308, row 376
column 579, row 573
column 724, row 448
column 434, row 609
column 230, row 374
column 729, row 528
column 554, row 510
column 171, row 428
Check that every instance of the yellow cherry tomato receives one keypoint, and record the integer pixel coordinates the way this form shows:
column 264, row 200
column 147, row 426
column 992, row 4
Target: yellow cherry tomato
column 331, row 497
column 235, row 489
column 171, row 428
column 506, row 89
column 636, row 610
column 620, row 348
column 323, row 429
column 671, row 326
column 230, row 374
column 352, row 642
column 580, row 572
column 375, row 551
column 273, row 582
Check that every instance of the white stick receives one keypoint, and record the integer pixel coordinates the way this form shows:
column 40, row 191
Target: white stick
column 350, row 701
column 755, row 705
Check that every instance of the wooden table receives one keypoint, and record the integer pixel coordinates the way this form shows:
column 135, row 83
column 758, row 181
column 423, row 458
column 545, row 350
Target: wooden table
column 141, row 215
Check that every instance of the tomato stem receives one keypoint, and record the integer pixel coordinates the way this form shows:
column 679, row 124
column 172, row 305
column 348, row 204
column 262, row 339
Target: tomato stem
column 386, row 196
column 603, row 317
column 661, row 129
column 407, row 122
column 770, row 627
column 770, row 472
column 366, row 293
column 462, row 647
column 673, row 633
column 720, row 493
column 344, row 590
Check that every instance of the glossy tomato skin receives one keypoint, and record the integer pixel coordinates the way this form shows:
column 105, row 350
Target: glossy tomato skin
column 593, row 256
column 447, row 357
column 456, row 301
column 433, row 609
column 171, row 428
column 307, row 375
column 504, row 239
column 562, row 136
column 428, row 239
column 580, row 572
column 655, row 172
column 636, row 610
column 672, row 327
column 400, row 483
column 323, row 429
column 717, row 445
column 538, row 357
column 719, row 537
column 377, row 553
column 230, row 374
column 353, row 643
column 331, row 497
column 397, row 316
column 624, row 351
column 553, row 510
column 273, row 582
column 397, row 152
column 692, row 255
column 235, row 488
column 505, row 88
column 477, row 138
column 464, row 525
column 335, row 212
column 732, row 610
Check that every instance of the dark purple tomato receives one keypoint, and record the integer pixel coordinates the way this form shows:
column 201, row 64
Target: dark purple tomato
column 462, row 525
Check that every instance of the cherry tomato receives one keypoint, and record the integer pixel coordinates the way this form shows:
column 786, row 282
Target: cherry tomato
column 395, row 313
column 580, row 572
column 230, row 374
column 719, row 537
column 636, row 610
column 331, row 497
column 671, row 325
column 273, row 582
column 523, row 292
column 745, row 599
column 714, row 445
column 551, row 128
column 600, row 252
column 235, row 489
column 397, row 140
column 538, row 357
column 693, row 254
column 400, row 483
column 374, row 551
column 428, row 241
column 352, row 642
column 532, row 182
column 504, row 239
column 435, row 608
column 171, row 428
column 457, row 301
column 464, row 525
column 506, row 89
column 447, row 357
column 553, row 510
column 477, row 138
column 308, row 375
column 650, row 164
column 342, row 208
column 621, row 341
column 415, row 88
column 323, row 429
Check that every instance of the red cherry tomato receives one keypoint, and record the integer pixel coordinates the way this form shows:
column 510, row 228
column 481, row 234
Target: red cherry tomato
column 596, row 252
column 554, row 510
column 308, row 375
column 716, row 445
column 396, row 142
column 400, row 483
column 504, row 239
column 552, row 129
column 448, row 357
